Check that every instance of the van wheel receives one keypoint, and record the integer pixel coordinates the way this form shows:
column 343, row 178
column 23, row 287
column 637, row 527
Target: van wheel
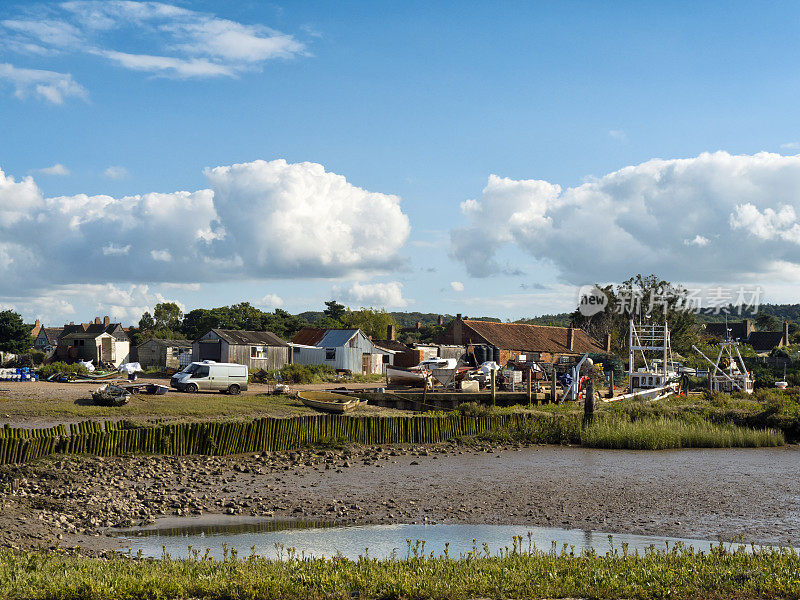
column 234, row 390
column 191, row 388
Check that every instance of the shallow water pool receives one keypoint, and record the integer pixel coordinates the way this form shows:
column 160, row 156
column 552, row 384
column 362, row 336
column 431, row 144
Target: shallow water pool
column 279, row 539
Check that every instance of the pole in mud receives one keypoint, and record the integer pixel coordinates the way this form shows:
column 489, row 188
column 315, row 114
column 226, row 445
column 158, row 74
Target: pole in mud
column 493, row 378
column 588, row 402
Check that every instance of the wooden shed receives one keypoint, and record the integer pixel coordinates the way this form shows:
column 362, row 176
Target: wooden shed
column 165, row 354
column 256, row 349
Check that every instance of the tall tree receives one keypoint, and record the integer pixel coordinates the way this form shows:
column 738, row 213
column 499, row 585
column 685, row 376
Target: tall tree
column 167, row 315
column 371, row 321
column 15, row 336
column 643, row 298
column 334, row 310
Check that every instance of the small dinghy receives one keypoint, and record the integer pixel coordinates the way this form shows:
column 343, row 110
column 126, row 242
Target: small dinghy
column 328, row 401
column 155, row 389
column 111, row 395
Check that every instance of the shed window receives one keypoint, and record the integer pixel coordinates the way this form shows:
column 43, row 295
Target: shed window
column 330, row 353
column 258, row 352
column 386, row 359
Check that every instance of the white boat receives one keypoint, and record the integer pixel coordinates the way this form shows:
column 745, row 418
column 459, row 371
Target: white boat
column 401, row 376
column 328, row 401
column 734, row 378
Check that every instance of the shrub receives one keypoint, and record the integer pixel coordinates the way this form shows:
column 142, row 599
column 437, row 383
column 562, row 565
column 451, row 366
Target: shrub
column 306, row 373
column 46, row 371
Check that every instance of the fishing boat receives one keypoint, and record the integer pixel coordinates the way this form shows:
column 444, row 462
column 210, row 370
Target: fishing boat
column 328, row 401
column 413, row 376
column 729, row 372
column 657, row 379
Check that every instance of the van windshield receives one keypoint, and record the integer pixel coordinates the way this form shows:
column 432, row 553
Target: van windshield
column 191, row 368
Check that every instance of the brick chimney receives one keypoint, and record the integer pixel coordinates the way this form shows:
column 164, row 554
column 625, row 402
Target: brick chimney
column 458, row 331
column 571, row 338
column 608, row 342
column 390, row 332
column 106, row 321
column 39, row 323
column 785, row 339
column 419, row 325
column 97, row 321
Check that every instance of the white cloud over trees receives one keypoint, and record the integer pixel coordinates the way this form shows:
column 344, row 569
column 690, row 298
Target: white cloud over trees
column 715, row 217
column 257, row 220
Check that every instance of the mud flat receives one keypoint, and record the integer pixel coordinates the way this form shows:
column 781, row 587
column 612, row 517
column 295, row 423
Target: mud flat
column 731, row 494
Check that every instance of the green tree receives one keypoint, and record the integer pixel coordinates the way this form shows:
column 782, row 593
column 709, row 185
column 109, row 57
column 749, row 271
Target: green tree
column 645, row 298
column 167, row 315
column 147, row 323
column 767, row 322
column 334, row 310
column 15, row 336
column 371, row 321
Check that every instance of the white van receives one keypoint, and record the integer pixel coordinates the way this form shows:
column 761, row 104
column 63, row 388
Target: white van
column 210, row 375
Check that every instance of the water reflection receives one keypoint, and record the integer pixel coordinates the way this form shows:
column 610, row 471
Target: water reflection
column 280, row 539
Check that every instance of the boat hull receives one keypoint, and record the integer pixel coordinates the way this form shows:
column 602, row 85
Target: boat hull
column 328, row 401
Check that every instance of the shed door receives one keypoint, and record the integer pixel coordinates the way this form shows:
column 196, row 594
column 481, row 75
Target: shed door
column 366, row 363
column 107, row 350
column 210, row 350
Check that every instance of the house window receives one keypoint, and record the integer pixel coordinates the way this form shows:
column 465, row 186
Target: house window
column 79, row 342
column 386, row 359
column 330, row 353
column 258, row 352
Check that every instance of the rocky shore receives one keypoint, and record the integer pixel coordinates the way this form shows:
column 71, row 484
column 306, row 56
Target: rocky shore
column 76, row 502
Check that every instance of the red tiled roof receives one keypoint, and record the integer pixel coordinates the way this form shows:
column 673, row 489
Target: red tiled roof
column 533, row 338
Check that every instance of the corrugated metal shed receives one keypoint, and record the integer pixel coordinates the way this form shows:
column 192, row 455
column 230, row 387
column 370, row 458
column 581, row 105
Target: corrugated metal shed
column 334, row 338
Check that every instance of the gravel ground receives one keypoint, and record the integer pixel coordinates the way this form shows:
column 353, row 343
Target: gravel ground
column 753, row 495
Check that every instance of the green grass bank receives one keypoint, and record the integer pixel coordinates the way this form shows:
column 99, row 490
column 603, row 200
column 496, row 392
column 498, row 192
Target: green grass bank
column 669, row 573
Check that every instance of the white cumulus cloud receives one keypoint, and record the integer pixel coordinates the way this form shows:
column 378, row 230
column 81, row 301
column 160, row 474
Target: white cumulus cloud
column 741, row 209
column 456, row 286
column 259, row 220
column 270, row 301
column 376, row 295
column 290, row 218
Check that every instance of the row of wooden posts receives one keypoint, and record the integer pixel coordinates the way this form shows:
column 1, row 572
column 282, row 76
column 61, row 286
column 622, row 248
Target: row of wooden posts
column 18, row 445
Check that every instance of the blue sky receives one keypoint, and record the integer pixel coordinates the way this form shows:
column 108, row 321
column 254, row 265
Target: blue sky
column 406, row 110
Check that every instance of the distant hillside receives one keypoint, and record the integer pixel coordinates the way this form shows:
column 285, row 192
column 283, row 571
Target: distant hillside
column 404, row 319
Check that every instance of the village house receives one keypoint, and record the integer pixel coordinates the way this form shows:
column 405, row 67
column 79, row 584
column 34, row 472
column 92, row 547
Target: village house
column 744, row 331
column 537, row 342
column 256, row 349
column 347, row 350
column 37, row 327
column 47, row 339
column 164, row 354
column 99, row 342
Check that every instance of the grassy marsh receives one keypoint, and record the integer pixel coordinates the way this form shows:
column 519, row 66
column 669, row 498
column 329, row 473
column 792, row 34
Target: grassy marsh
column 675, row 572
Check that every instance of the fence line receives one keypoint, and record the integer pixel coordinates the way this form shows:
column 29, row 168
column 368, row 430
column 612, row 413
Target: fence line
column 19, row 445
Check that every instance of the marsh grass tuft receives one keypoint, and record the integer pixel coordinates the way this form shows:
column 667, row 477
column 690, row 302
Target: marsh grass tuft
column 661, row 433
